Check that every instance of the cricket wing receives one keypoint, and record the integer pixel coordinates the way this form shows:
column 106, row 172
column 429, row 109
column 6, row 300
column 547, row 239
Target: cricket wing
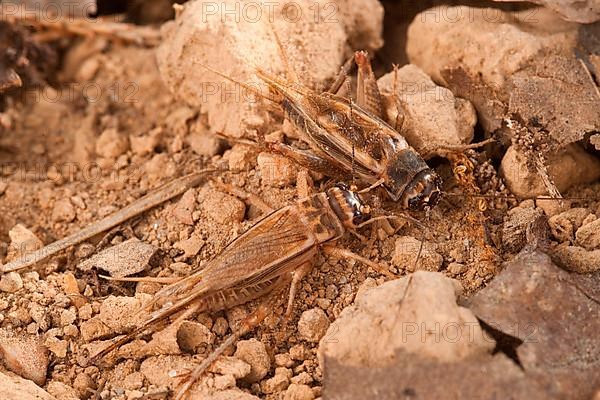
column 276, row 244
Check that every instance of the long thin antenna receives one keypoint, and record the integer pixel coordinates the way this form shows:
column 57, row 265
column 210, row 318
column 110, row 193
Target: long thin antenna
column 242, row 84
column 508, row 197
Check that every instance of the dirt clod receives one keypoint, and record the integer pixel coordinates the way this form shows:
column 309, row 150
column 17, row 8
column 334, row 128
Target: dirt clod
column 406, row 251
column 255, row 354
column 124, row 259
column 11, row 282
column 24, row 355
column 313, row 324
column 299, row 392
column 221, row 207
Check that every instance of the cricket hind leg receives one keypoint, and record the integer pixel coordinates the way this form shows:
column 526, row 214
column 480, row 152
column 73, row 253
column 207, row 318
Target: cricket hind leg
column 339, row 81
column 368, row 96
column 307, row 159
column 248, row 324
column 345, row 253
column 297, row 277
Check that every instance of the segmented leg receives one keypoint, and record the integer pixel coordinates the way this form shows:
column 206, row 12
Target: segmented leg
column 304, row 184
column 299, row 274
column 399, row 120
column 367, row 91
column 150, row 279
column 247, row 325
column 344, row 253
column 307, row 159
column 342, row 76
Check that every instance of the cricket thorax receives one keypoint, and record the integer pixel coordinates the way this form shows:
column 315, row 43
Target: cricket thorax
column 331, row 213
column 322, row 220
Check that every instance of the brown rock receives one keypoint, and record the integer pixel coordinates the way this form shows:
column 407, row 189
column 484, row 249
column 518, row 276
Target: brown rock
column 124, row 259
column 185, row 207
column 240, row 157
column 24, row 355
column 63, row 211
column 576, row 259
column 122, row 313
column 163, row 370
column 276, row 170
column 518, row 225
column 111, row 144
column 204, row 143
column 312, row 325
column 583, row 11
column 433, row 116
column 419, row 376
column 57, row 346
column 422, row 313
column 194, row 36
column 254, row 353
column 191, row 246
column 22, row 241
column 221, row 207
column 406, row 251
column 142, row 145
column 71, row 288
column 16, row 388
column 11, row 282
column 554, row 314
column 571, row 167
column 193, row 337
column 298, row 392
column 588, row 235
column 231, row 366
column 62, row 391
column 564, row 225
column 279, row 382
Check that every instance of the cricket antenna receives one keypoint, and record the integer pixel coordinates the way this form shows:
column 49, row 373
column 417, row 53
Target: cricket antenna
column 289, row 70
column 246, row 86
column 352, row 164
column 509, row 197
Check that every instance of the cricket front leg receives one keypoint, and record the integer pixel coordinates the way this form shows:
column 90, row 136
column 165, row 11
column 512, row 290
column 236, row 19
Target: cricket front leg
column 339, row 252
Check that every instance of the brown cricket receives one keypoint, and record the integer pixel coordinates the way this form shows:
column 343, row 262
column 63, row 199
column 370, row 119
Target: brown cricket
column 275, row 253
column 349, row 138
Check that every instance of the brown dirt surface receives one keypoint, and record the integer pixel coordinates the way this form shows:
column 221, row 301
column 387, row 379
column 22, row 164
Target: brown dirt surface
column 109, row 132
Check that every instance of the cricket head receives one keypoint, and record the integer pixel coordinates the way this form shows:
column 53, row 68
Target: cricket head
column 349, row 207
column 423, row 192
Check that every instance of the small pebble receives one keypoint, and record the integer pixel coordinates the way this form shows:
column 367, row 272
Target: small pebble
column 298, row 392
column 24, row 355
column 193, row 337
column 255, row 354
column 63, row 211
column 221, row 207
column 111, row 144
column 230, row 366
column 11, row 282
column 313, row 324
column 277, row 383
